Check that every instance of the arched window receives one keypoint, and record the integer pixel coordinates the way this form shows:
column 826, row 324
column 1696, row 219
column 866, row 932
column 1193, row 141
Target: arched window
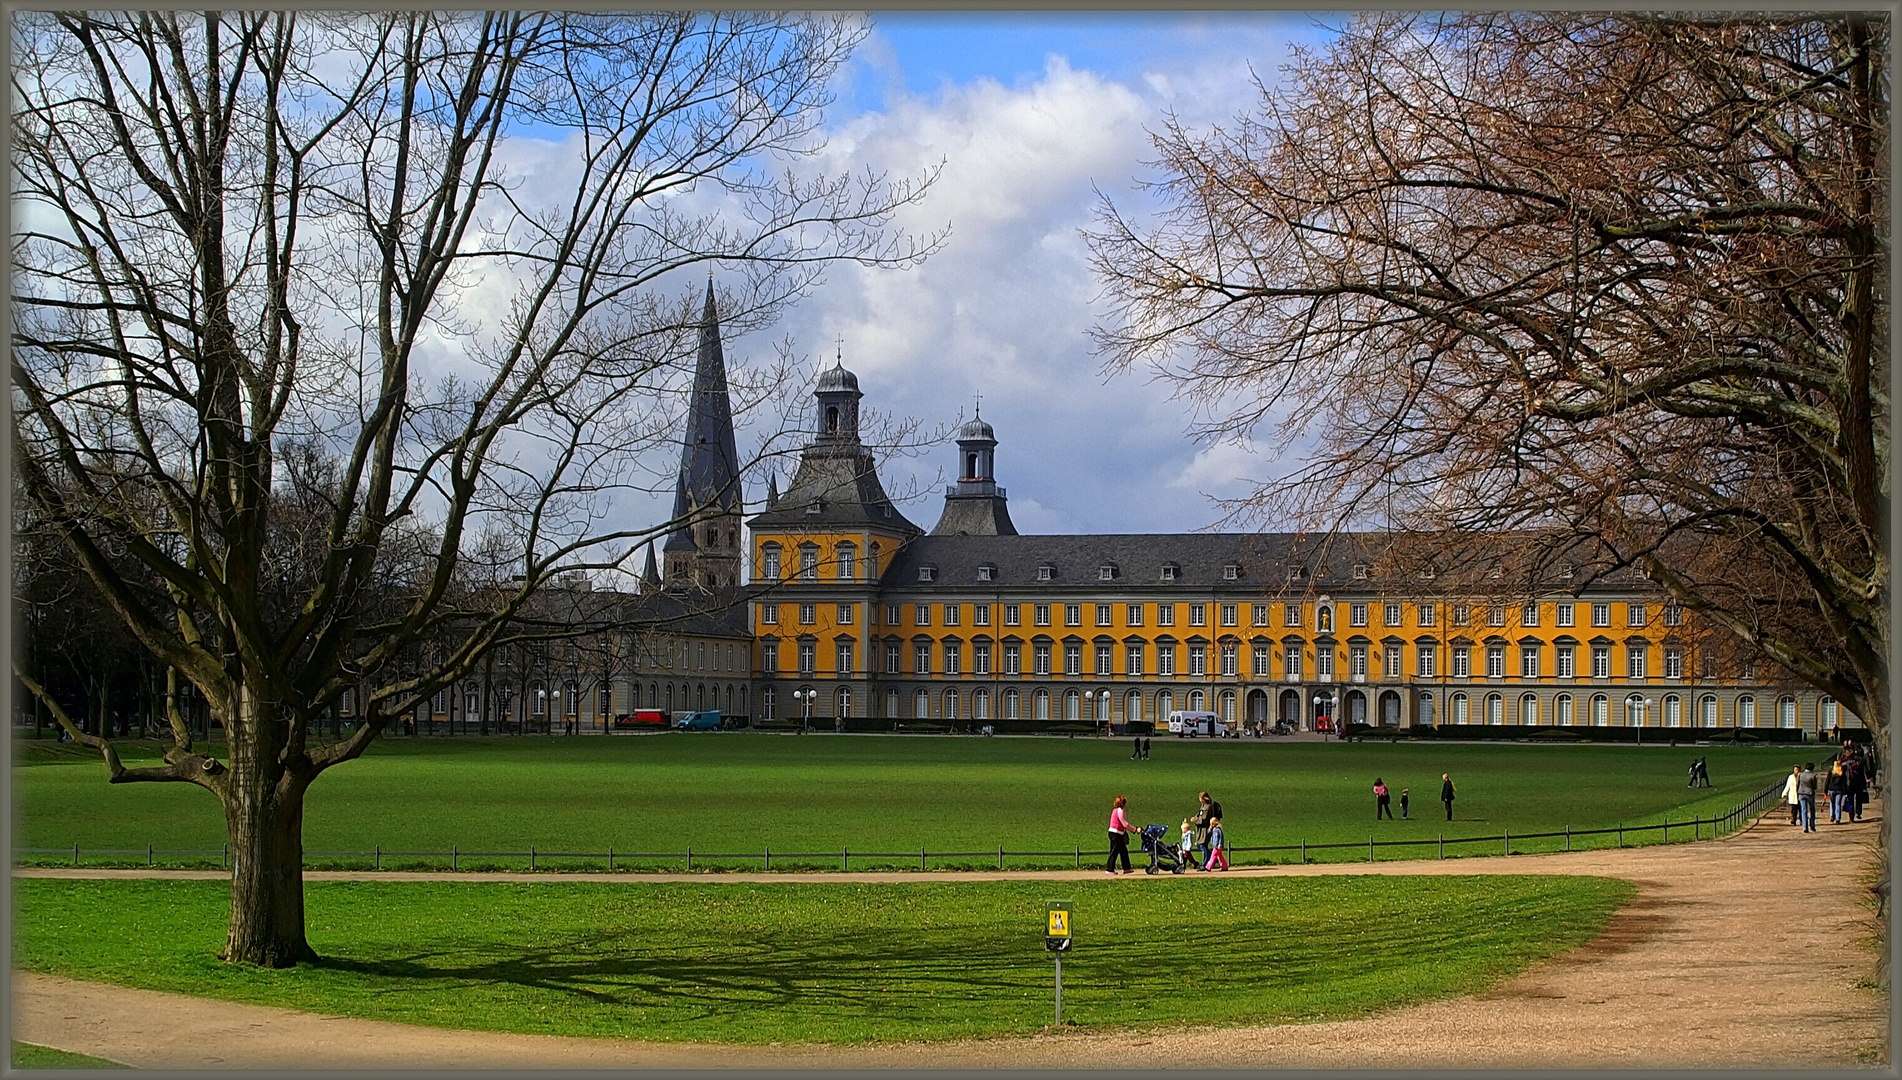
column 1601, row 711
column 950, row 704
column 1102, row 699
column 1634, row 710
column 538, row 700
column 1228, row 706
column 1529, row 709
column 1458, row 709
column 769, row 562
column 1165, row 704
column 848, row 556
column 670, row 697
column 1072, row 705
column 891, row 704
column 1132, row 706
column 1786, row 712
column 1826, row 711
column 921, row 705
column 1562, row 710
column 653, row 696
column 742, row 711
column 1427, row 712
column 1012, row 704
column 1040, row 705
column 1495, row 709
column 845, row 703
column 981, row 704
column 1196, row 701
column 769, row 703
column 1673, row 711
column 1747, row 711
column 1707, row 711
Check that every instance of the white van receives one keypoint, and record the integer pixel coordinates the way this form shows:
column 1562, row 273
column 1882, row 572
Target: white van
column 1193, row 724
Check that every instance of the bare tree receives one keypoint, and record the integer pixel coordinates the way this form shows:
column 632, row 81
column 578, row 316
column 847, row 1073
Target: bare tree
column 305, row 304
column 1607, row 276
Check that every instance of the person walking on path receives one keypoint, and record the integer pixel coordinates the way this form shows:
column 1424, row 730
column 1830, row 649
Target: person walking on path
column 1218, row 847
column 1447, row 791
column 1119, row 830
column 1806, row 795
column 1381, row 797
column 1833, row 790
column 1790, row 797
column 1145, row 748
column 1136, row 750
column 1208, row 811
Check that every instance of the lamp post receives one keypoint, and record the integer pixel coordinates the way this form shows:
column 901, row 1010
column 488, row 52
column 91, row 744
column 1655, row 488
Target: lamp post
column 1100, row 701
column 804, row 697
column 1324, row 706
column 1644, row 717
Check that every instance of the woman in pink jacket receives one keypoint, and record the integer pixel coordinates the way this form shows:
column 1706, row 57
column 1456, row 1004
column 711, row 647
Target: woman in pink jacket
column 1119, row 830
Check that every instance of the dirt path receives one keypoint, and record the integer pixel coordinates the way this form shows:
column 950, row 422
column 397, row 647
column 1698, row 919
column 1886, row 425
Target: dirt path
column 1752, row 951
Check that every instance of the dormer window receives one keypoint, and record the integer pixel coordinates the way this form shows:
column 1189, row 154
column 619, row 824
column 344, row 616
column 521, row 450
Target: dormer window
column 1106, row 572
column 1360, row 571
column 1295, row 573
column 1426, row 573
column 1231, row 572
column 927, row 573
column 1169, row 571
column 985, row 573
column 1046, row 573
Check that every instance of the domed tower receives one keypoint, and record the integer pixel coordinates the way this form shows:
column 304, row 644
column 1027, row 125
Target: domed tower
column 974, row 506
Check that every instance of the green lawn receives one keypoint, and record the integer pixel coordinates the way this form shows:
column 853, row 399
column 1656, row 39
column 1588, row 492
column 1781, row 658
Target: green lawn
column 32, row 1056
column 829, row 962
column 747, row 792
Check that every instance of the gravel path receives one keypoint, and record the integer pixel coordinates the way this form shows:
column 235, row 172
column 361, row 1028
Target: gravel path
column 1752, row 951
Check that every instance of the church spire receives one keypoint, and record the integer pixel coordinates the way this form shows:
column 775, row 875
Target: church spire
column 703, row 549
column 650, row 574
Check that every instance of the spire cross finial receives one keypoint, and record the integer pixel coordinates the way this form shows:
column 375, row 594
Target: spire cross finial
column 979, row 407
column 840, row 355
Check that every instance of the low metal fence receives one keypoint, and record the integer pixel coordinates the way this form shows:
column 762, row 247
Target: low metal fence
column 1695, row 828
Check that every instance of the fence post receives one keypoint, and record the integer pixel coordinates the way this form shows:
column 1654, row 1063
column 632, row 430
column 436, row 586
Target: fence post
column 1621, row 834
column 455, row 856
column 845, row 857
column 148, row 854
column 379, row 856
column 1000, row 856
column 690, row 856
column 1442, row 845
column 769, row 857
column 1507, row 833
column 531, row 856
column 1079, row 856
column 75, row 854
column 1568, row 836
column 1304, row 851
column 921, row 857
column 1370, row 849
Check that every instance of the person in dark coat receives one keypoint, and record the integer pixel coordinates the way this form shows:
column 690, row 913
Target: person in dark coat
column 1447, row 791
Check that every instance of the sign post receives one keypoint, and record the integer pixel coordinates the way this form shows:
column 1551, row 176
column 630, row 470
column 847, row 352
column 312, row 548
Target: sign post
column 1056, row 938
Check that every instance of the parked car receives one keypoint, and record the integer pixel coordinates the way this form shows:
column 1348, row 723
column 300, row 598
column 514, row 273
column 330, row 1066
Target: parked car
column 705, row 720
column 640, row 718
column 1191, row 724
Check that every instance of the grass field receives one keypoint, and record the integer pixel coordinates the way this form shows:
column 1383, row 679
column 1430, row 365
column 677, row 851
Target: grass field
column 32, row 1056
column 747, row 792
column 828, row 962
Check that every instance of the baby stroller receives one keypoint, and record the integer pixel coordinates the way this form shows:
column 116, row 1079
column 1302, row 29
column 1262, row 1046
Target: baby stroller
column 1162, row 854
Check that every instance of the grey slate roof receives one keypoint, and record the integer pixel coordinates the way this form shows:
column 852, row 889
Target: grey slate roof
column 975, row 515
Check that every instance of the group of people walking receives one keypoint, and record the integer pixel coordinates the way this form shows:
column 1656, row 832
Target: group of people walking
column 1844, row 781
column 1203, row 841
column 1383, row 798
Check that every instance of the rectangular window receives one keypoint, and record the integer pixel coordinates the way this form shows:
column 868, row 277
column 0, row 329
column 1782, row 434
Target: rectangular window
column 1013, row 615
column 1390, row 662
column 1198, row 659
column 1013, row 659
column 1601, row 661
column 921, row 614
column 1529, row 615
column 1562, row 615
column 1291, row 614
column 1260, row 669
column 892, row 657
column 1601, row 614
column 953, row 658
column 807, row 658
column 769, row 614
column 1042, row 614
column 845, row 614
column 1073, row 614
column 1165, row 614
column 1390, row 614
column 1673, row 662
column 809, row 563
column 844, row 657
column 1426, row 614
column 1293, row 665
column 953, row 614
column 1198, row 614
column 847, row 568
column 1073, row 659
column 1462, row 615
column 1133, row 614
column 981, row 658
column 1357, row 614
column 1528, row 661
column 1133, row 659
column 1635, row 656
column 1496, row 615
column 1429, row 659
column 1634, row 614
column 769, row 656
column 1228, row 614
column 1673, row 615
column 1495, row 661
column 1357, row 661
column 808, row 614
column 1462, row 661
column 1165, row 659
column 894, row 614
column 770, row 564
column 980, row 614
column 1040, row 656
column 921, row 658
column 1105, row 659
column 1324, row 662
column 1258, row 615
column 1562, row 662
column 1105, row 615
column 1231, row 659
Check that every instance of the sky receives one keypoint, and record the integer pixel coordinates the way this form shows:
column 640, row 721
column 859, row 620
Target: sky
column 1031, row 115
